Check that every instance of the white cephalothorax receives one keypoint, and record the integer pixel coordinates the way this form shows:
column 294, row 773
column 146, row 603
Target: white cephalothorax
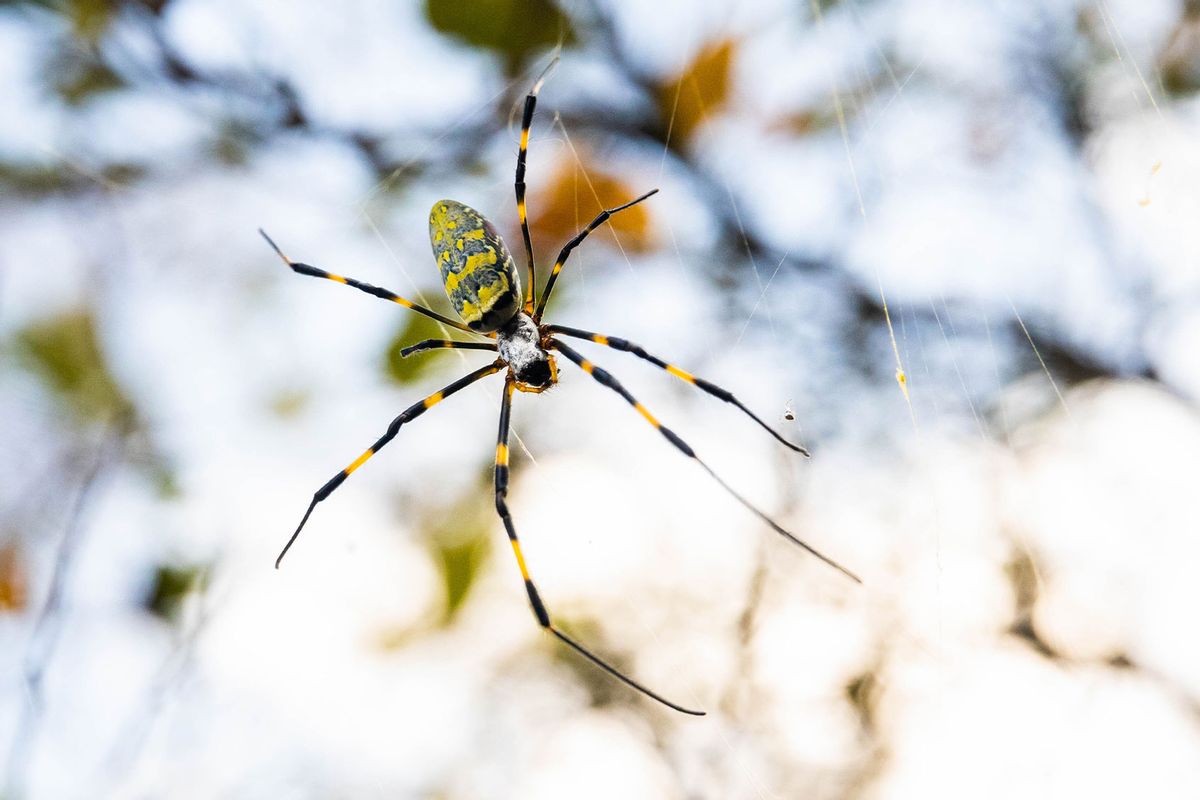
column 520, row 344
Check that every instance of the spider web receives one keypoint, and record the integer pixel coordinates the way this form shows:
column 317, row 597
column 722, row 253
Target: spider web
column 787, row 614
column 939, row 309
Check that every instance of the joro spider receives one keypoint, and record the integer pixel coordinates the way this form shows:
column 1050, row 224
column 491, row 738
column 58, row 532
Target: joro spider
column 484, row 287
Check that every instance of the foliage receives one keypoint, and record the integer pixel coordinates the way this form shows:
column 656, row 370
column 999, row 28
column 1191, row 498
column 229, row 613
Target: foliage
column 171, row 586
column 514, row 29
column 14, row 583
column 64, row 351
column 458, row 539
column 458, row 561
column 699, row 91
column 1179, row 61
column 413, row 328
column 78, row 78
column 579, row 191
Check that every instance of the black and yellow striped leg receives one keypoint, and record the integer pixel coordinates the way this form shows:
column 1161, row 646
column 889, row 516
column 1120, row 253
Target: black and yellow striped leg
column 716, row 391
column 385, row 294
column 606, row 379
column 526, row 124
column 435, row 344
column 522, row 214
column 565, row 253
column 535, row 600
column 408, row 415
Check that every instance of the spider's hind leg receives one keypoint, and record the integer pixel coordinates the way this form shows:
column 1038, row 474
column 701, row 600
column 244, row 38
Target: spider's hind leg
column 606, row 379
column 535, row 600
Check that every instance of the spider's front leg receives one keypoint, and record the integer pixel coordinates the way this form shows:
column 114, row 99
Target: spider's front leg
column 627, row 346
column 375, row 291
column 565, row 253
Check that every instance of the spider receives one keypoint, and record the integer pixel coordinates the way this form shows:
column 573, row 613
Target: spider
column 484, row 286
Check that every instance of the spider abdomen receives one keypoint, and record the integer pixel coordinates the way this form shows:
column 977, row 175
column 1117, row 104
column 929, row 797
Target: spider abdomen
column 478, row 272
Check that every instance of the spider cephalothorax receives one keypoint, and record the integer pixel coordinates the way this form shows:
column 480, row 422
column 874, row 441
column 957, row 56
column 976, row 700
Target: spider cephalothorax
column 521, row 345
column 484, row 287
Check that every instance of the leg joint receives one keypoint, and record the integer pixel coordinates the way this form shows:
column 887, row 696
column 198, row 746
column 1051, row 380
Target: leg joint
column 539, row 609
column 328, row 488
column 680, row 443
column 624, row 345
column 603, row 376
column 714, row 390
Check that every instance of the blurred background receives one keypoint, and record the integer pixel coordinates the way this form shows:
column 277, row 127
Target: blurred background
column 950, row 246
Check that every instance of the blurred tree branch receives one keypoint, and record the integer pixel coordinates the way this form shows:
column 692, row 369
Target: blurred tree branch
column 262, row 107
column 48, row 626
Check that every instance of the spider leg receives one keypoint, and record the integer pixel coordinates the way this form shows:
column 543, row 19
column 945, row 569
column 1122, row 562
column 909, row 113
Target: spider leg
column 716, row 391
column 605, row 378
column 434, row 344
column 535, row 600
column 305, row 269
column 408, row 415
column 526, row 123
column 563, row 254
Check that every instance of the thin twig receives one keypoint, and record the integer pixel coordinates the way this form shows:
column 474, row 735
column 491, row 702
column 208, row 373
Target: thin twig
column 43, row 640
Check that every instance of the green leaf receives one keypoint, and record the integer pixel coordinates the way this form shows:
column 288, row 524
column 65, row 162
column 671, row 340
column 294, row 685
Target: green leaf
column 415, row 328
column 459, row 541
column 511, row 28
column 65, row 353
column 1179, row 61
column 35, row 180
column 77, row 80
column 41, row 179
column 172, row 584
column 90, row 18
column 459, row 560
column 287, row 403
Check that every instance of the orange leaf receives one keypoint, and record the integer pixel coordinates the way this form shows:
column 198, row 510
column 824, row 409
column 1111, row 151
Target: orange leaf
column 576, row 194
column 699, row 91
column 14, row 586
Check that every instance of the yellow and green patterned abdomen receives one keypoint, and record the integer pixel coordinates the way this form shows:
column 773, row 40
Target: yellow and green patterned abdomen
column 477, row 269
